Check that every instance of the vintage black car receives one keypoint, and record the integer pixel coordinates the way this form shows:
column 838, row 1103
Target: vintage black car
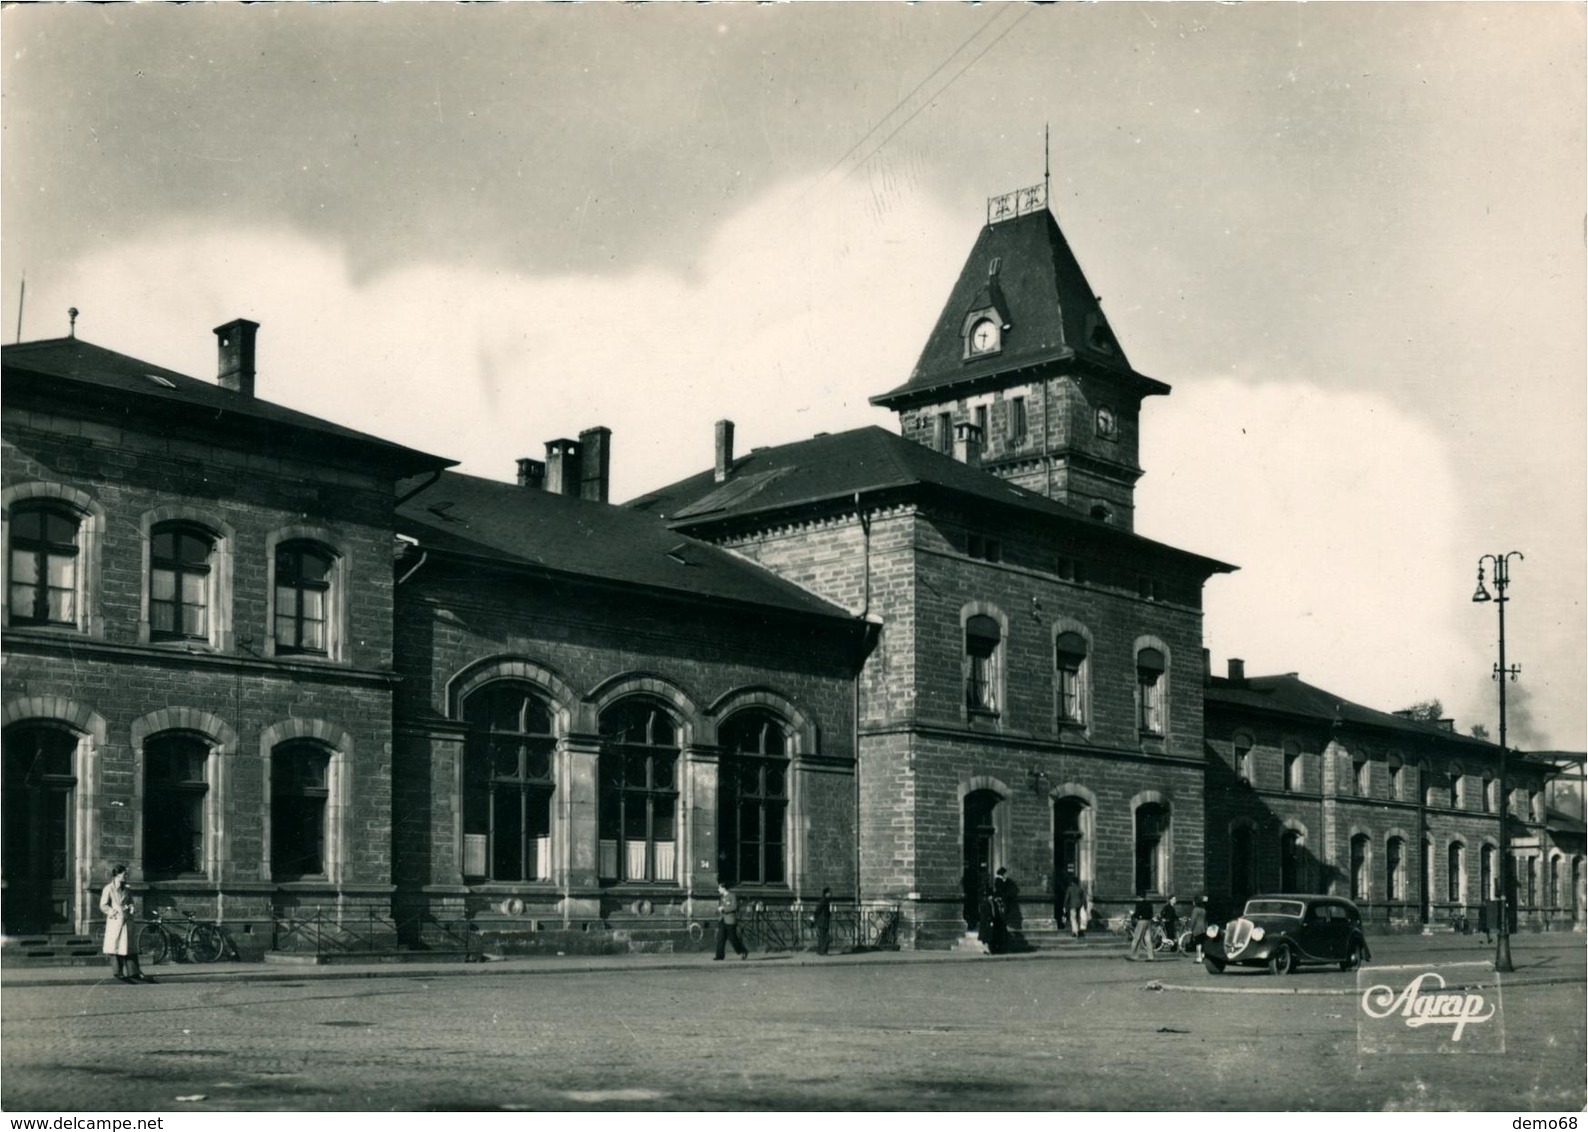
column 1284, row 932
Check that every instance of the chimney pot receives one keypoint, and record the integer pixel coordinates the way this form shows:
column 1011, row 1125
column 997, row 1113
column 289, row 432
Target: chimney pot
column 531, row 473
column 967, row 444
column 1237, row 670
column 236, row 367
column 562, row 466
column 595, row 463
column 724, row 450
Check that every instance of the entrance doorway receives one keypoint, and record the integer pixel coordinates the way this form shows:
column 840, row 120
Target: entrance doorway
column 40, row 791
column 980, row 850
column 1069, row 843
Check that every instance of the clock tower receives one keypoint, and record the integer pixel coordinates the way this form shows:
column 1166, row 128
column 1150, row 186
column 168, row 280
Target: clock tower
column 1022, row 374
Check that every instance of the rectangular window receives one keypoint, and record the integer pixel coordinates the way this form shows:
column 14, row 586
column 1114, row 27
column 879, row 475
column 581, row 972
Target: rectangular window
column 175, row 787
column 981, row 424
column 1149, row 690
column 1017, row 421
column 983, row 637
column 43, row 575
column 945, row 433
column 179, row 583
column 987, row 549
column 299, row 790
column 1293, row 773
column 1070, row 661
column 1362, row 779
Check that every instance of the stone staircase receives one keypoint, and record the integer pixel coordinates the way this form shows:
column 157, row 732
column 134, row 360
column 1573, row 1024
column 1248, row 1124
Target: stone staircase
column 50, row 949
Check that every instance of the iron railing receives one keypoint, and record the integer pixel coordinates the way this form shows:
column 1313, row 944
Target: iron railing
column 781, row 928
column 325, row 932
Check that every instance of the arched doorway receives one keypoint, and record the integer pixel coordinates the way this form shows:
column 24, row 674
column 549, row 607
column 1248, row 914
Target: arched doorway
column 1070, row 821
column 40, row 787
column 981, row 858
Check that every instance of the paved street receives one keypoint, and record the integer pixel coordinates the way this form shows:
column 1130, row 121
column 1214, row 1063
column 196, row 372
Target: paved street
column 1025, row 1032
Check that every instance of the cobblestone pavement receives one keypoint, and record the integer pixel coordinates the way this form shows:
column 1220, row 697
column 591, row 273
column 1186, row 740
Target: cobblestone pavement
column 1020, row 1033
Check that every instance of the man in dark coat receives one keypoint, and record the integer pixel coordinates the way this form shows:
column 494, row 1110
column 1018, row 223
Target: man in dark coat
column 1141, row 932
column 822, row 918
column 1075, row 907
column 728, row 923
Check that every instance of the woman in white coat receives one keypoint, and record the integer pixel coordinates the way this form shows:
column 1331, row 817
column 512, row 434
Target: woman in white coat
column 121, row 941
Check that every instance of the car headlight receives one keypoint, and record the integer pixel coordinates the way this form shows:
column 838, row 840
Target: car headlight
column 1213, row 931
column 1257, row 933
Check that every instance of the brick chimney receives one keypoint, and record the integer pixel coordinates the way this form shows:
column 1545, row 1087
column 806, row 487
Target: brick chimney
column 562, row 467
column 724, row 450
column 1237, row 670
column 967, row 444
column 236, row 370
column 595, row 463
column 532, row 473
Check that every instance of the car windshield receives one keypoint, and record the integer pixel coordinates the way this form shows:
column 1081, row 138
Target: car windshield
column 1274, row 908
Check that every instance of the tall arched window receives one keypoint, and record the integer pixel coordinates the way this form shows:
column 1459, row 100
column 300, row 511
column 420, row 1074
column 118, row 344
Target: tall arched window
column 1070, row 664
column 1395, row 868
column 980, row 817
column 1359, row 865
column 753, row 798
column 1244, row 759
column 43, row 565
column 1456, row 873
column 1243, row 864
column 508, row 780
column 1295, row 775
column 1152, row 847
column 299, row 794
column 179, row 582
column 175, row 787
column 1394, row 767
column 1149, row 691
column 303, row 598
column 1491, row 793
column 983, row 638
column 1458, row 786
column 1486, row 873
column 638, row 793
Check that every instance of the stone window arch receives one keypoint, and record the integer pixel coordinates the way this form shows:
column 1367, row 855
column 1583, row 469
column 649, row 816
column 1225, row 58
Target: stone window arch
column 187, row 571
column 1072, row 669
column 307, row 586
column 1153, row 692
column 984, row 629
column 308, row 768
column 54, row 536
column 642, row 742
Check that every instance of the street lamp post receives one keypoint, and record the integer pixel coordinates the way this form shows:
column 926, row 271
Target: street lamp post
column 1502, row 579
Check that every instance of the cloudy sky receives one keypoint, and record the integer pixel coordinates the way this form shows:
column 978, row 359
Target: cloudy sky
column 1351, row 237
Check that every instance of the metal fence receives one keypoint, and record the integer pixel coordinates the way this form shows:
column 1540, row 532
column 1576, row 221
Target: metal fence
column 780, row 928
column 327, row 932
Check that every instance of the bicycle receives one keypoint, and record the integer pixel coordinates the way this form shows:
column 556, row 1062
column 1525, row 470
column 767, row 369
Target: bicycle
column 201, row 942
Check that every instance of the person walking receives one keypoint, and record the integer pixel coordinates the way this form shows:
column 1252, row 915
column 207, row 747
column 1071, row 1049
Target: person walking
column 1199, row 923
column 822, row 919
column 121, row 942
column 998, row 941
column 1483, row 920
column 728, row 923
column 1075, row 907
column 1141, row 934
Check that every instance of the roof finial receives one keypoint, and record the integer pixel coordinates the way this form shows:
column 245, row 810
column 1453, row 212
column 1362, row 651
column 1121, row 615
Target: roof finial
column 71, row 313
column 1047, row 177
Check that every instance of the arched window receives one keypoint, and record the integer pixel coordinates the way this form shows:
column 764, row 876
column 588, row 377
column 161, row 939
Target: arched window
column 1152, row 847
column 1149, row 690
column 753, row 798
column 1395, row 768
column 1555, row 894
column 638, row 793
column 175, row 787
column 982, row 640
column 1361, row 772
column 1243, row 865
column 1456, row 873
column 304, row 573
column 1295, row 775
column 1395, row 868
column 1425, row 783
column 508, row 780
column 1486, row 888
column 981, row 815
column 1291, row 871
column 1491, row 793
column 45, row 543
column 1458, row 786
column 179, row 582
column 1070, row 664
column 39, row 795
column 299, row 793
column 1359, row 866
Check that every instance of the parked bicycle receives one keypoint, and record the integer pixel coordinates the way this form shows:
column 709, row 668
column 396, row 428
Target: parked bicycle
column 198, row 941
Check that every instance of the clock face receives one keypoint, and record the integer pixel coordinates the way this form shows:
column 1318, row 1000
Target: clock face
column 1105, row 422
column 984, row 336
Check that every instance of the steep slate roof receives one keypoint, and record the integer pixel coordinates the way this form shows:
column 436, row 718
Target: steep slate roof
column 1049, row 310
column 105, row 379
column 833, row 468
column 540, row 531
column 1290, row 695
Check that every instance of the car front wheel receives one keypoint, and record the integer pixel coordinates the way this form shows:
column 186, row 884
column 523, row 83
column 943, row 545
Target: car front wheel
column 1281, row 962
column 1354, row 960
column 1212, row 966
